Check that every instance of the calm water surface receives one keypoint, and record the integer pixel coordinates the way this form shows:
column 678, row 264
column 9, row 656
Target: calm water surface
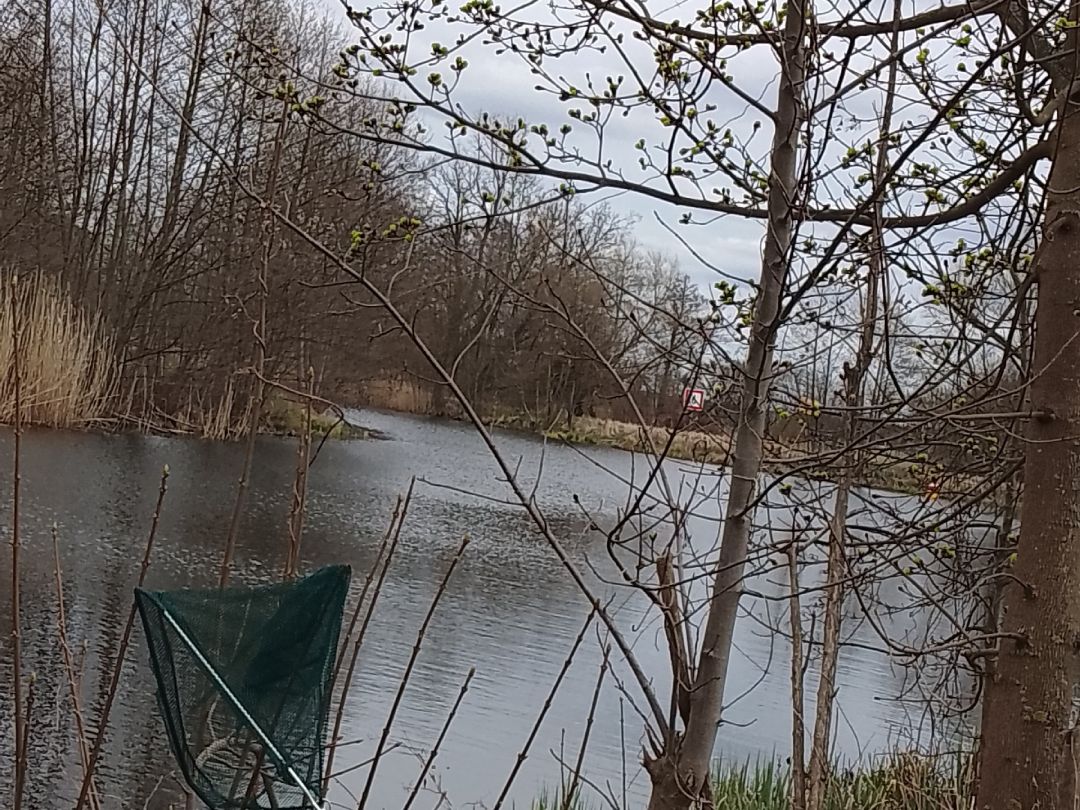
column 510, row 610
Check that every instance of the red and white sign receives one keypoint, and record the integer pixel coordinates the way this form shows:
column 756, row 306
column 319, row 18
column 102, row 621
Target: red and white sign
column 693, row 399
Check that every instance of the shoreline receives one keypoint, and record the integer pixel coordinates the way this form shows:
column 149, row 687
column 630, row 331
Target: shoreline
column 698, row 447
column 285, row 418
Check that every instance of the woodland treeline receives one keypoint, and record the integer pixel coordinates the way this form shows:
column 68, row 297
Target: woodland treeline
column 139, row 218
column 516, row 284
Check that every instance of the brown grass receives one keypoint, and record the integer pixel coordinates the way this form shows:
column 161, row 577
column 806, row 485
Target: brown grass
column 395, row 394
column 67, row 359
column 711, row 448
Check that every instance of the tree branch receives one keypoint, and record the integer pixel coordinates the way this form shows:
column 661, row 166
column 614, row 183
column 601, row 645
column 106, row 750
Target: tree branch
column 970, row 206
column 842, row 30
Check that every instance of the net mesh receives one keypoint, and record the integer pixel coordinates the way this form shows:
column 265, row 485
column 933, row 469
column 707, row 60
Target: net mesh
column 231, row 663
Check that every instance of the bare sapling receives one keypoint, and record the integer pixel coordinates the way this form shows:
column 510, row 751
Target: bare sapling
column 74, row 682
column 403, row 682
column 351, row 646
column 105, row 713
column 21, row 724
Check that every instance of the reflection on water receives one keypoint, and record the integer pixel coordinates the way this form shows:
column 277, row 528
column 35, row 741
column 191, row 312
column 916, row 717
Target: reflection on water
column 510, row 610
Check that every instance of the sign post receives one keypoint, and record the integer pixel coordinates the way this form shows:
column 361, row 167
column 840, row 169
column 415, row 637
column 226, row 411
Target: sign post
column 693, row 399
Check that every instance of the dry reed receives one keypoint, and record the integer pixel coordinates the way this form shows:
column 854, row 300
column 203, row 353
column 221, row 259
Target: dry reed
column 403, row 682
column 121, row 650
column 67, row 363
column 221, row 417
column 395, row 394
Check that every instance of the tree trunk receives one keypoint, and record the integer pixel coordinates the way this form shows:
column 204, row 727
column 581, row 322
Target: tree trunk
column 680, row 775
column 1028, row 755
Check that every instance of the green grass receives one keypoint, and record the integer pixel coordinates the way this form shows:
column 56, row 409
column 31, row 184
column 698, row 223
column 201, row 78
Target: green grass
column 764, row 785
column 901, row 781
column 556, row 799
column 897, row 782
column 285, row 417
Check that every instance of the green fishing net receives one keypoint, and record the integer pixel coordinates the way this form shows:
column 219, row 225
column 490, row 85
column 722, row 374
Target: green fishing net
column 244, row 682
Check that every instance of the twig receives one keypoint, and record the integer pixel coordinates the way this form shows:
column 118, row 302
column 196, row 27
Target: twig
column 16, row 609
column 150, row 796
column 622, row 749
column 27, row 716
column 299, row 494
column 798, row 723
column 256, row 772
column 524, row 753
column 400, row 511
column 362, row 764
column 268, row 786
column 404, row 682
column 575, row 777
column 259, row 328
column 121, row 650
column 69, row 667
column 607, row 798
column 391, row 532
column 439, row 741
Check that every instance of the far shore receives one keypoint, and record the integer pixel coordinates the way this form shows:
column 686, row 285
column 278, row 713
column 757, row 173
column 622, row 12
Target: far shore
column 714, row 448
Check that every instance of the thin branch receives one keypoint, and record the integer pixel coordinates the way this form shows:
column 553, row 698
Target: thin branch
column 404, row 681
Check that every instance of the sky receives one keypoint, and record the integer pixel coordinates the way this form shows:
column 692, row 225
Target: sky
column 502, row 84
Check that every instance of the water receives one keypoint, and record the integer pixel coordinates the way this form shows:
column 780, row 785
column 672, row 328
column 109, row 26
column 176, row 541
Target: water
column 510, row 610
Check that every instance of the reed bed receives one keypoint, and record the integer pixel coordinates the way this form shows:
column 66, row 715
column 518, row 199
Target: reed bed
column 395, row 394
column 224, row 417
column 66, row 357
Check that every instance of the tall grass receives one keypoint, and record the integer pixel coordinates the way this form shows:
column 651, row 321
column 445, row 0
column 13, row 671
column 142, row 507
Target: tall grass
column 557, row 800
column 899, row 781
column 67, row 359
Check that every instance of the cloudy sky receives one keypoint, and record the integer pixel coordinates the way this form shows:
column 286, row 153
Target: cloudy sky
column 502, row 85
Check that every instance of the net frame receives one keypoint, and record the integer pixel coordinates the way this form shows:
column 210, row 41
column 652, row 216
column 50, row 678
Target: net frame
column 314, row 605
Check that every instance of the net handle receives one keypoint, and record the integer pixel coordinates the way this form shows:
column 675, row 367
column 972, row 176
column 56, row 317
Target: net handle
column 224, row 688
